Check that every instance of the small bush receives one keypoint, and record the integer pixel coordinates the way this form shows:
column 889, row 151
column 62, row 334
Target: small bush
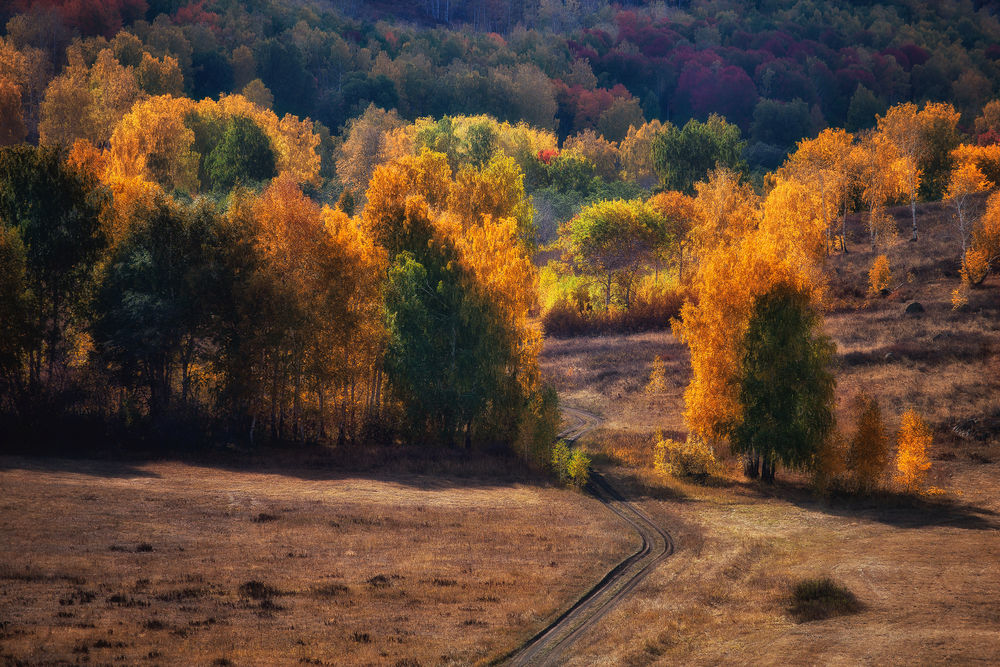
column 657, row 377
column 815, row 599
column 879, row 276
column 960, row 296
column 330, row 590
column 572, row 466
column 975, row 267
column 257, row 590
column 691, row 458
column 647, row 312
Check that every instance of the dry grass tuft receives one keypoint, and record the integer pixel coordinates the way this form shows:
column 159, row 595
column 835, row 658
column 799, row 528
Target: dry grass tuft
column 816, row 599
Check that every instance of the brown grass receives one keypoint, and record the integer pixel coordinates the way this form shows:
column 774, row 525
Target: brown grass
column 184, row 564
column 923, row 571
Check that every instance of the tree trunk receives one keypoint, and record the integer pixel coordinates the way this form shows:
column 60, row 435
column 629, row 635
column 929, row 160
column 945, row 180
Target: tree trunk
column 751, row 465
column 767, row 470
column 913, row 212
column 843, row 231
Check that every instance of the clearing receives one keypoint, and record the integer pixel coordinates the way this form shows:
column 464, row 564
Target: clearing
column 186, row 564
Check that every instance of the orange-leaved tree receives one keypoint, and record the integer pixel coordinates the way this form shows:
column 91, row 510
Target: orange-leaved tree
column 882, row 180
column 912, row 445
column 677, row 218
column 868, row 450
column 966, row 180
column 824, row 165
column 743, row 253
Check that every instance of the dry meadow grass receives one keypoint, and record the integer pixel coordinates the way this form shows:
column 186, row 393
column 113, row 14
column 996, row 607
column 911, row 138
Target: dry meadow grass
column 171, row 563
column 924, row 571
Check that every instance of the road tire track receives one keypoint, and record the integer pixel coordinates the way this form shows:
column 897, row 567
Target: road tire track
column 546, row 647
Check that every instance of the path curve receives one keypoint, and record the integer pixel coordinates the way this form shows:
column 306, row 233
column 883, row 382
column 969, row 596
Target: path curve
column 546, row 647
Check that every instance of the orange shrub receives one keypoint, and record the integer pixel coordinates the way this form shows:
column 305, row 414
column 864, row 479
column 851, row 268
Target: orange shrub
column 879, row 276
column 912, row 461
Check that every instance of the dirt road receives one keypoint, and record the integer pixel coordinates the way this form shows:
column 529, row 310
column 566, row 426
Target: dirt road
column 546, row 647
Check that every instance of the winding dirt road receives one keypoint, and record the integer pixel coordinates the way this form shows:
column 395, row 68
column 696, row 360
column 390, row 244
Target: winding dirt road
column 553, row 641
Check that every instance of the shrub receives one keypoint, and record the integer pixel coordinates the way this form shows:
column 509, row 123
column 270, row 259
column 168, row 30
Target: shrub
column 571, row 466
column 657, row 377
column 960, row 296
column 815, row 599
column 879, row 276
column 647, row 312
column 975, row 267
column 912, row 443
column 691, row 458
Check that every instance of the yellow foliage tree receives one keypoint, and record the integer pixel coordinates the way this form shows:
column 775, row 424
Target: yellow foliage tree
column 883, row 179
column 152, row 143
column 966, row 180
column 88, row 102
column 330, row 336
column 824, row 165
column 868, row 450
column 679, row 213
column 879, row 276
column 597, row 150
column 912, row 445
column 365, row 146
column 986, row 234
column 975, row 267
column 30, row 70
column 160, row 76
column 496, row 190
column 742, row 255
column 12, row 129
column 636, row 152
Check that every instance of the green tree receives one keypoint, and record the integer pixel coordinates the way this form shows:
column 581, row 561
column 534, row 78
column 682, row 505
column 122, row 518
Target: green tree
column 863, row 108
column 613, row 240
column 781, row 123
column 55, row 211
column 448, row 348
column 482, row 141
column 16, row 331
column 243, row 155
column 440, row 137
column 785, row 385
column 150, row 313
column 682, row 157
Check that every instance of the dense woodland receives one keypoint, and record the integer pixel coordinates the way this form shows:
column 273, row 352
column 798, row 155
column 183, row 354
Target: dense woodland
column 278, row 222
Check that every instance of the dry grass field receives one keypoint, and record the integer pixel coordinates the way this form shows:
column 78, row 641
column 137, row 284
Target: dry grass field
column 172, row 563
column 925, row 572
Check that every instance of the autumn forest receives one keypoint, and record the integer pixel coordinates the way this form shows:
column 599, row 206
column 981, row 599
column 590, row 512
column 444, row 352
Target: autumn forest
column 361, row 229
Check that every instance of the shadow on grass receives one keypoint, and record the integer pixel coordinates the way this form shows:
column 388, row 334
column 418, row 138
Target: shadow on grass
column 408, row 465
column 895, row 509
column 899, row 510
column 89, row 467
